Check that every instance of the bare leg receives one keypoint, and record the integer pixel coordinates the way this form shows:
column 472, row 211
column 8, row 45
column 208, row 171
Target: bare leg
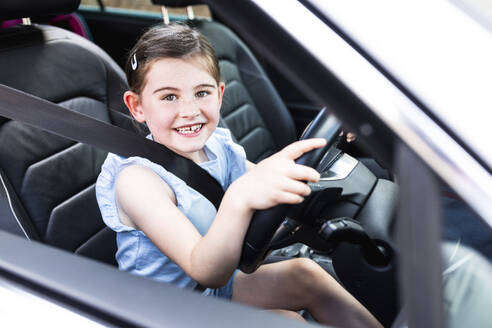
column 301, row 284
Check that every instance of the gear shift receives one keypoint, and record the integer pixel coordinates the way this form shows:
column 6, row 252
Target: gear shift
column 345, row 229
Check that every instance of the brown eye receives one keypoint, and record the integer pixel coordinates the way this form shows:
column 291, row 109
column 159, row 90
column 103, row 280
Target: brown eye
column 169, row 97
column 201, row 94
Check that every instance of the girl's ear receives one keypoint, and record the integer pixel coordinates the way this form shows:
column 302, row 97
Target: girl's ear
column 221, row 88
column 132, row 101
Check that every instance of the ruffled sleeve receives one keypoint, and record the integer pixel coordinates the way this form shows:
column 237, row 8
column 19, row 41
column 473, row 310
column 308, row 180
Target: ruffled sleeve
column 105, row 188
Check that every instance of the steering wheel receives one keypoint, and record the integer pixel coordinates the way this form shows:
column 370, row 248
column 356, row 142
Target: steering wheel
column 265, row 223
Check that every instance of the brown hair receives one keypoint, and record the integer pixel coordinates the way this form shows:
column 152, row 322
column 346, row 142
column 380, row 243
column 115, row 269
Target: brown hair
column 175, row 40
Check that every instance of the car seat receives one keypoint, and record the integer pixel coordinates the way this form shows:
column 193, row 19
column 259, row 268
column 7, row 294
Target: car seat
column 252, row 108
column 72, row 22
column 48, row 181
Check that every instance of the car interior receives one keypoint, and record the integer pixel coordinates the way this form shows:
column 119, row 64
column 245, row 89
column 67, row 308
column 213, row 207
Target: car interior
column 48, row 181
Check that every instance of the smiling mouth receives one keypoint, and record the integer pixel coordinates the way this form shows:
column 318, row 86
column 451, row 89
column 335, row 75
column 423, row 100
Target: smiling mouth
column 190, row 129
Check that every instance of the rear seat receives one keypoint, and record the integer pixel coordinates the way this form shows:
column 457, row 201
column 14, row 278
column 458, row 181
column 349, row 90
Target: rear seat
column 71, row 21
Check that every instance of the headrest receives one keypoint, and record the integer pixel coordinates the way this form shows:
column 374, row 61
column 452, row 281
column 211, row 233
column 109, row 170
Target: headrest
column 10, row 9
column 177, row 3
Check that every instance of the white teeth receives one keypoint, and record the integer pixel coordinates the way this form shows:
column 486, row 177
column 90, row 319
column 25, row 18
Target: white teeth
column 190, row 129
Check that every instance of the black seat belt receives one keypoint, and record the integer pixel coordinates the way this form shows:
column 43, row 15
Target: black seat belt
column 40, row 113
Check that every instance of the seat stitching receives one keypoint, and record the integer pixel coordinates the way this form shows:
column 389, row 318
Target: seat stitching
column 83, row 189
column 65, row 201
column 37, row 160
column 247, row 134
column 236, row 109
column 227, row 60
column 232, row 81
column 89, row 239
column 12, row 209
column 75, row 144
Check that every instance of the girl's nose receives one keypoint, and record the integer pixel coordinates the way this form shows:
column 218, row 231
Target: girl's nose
column 189, row 110
column 189, row 113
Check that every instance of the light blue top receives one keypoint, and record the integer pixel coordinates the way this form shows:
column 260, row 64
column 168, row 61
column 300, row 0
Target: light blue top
column 136, row 253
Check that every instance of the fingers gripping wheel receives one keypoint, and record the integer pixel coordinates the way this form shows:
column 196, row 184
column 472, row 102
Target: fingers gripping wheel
column 265, row 223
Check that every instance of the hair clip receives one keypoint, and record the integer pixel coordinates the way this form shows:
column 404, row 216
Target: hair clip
column 133, row 61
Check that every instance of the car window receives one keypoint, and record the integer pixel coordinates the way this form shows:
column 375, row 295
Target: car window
column 467, row 263
column 146, row 5
column 461, row 225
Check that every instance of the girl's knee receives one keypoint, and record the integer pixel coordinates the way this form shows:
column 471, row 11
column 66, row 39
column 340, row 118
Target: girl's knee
column 306, row 271
column 305, row 266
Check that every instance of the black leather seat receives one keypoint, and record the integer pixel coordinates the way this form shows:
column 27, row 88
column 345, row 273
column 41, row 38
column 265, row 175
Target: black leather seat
column 48, row 181
column 252, row 108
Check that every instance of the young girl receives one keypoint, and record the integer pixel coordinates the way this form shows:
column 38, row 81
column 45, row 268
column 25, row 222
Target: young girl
column 166, row 230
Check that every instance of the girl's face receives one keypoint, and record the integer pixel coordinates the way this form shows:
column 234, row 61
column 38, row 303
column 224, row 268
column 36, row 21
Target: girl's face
column 180, row 103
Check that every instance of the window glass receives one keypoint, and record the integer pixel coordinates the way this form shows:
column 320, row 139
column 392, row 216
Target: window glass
column 146, row 5
column 467, row 263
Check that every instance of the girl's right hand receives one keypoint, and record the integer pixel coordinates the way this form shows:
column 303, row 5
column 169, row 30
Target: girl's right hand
column 277, row 179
